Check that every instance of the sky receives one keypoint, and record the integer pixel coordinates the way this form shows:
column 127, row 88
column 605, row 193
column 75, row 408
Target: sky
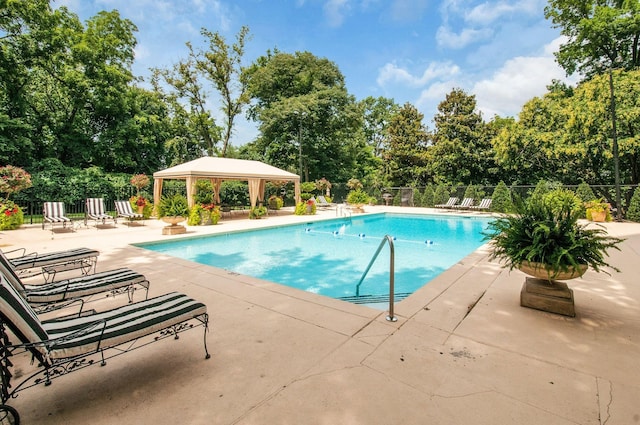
column 412, row 51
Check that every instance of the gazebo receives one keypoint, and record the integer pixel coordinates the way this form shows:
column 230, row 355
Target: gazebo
column 218, row 169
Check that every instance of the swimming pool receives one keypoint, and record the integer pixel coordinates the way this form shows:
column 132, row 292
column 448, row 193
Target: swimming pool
column 329, row 257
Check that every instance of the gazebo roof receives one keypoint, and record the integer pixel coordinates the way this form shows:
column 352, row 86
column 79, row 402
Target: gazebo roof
column 226, row 169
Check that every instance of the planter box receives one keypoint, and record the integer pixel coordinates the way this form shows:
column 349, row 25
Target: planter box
column 553, row 297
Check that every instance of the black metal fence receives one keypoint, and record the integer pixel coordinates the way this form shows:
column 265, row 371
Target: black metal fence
column 402, row 196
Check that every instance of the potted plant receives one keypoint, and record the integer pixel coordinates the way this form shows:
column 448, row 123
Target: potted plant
column 173, row 210
column 548, row 239
column 204, row 215
column 598, row 210
column 357, row 198
column 257, row 212
column 544, row 240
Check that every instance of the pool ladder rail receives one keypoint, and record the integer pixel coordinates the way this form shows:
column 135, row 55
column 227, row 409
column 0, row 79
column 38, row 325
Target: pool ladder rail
column 387, row 239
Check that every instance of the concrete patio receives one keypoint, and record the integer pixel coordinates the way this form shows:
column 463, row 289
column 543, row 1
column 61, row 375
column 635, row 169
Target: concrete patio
column 463, row 351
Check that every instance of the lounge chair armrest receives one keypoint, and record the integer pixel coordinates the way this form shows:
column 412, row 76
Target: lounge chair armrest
column 51, row 343
column 47, row 308
column 24, row 250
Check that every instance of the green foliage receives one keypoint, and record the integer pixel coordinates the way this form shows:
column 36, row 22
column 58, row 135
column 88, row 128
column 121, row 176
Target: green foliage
column 441, row 194
column 397, row 198
column 597, row 206
column 276, row 202
column 308, row 187
column 557, row 198
column 549, row 234
column 234, row 193
column 257, row 212
column 460, row 137
column 175, row 205
column 633, row 213
column 305, row 208
column 501, row 200
column 474, row 192
column 11, row 216
column 584, row 192
column 428, row 196
column 306, row 114
column 147, row 209
column 358, row 196
column 204, row 192
column 406, row 144
column 203, row 214
column 417, row 197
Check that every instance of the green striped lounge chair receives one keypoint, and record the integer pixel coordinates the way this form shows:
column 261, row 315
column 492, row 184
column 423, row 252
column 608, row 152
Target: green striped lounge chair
column 95, row 210
column 123, row 209
column 64, row 345
column 45, row 297
column 449, row 204
column 49, row 263
column 53, row 213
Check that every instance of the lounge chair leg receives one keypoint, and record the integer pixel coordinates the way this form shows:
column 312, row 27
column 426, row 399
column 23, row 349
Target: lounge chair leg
column 206, row 329
column 9, row 415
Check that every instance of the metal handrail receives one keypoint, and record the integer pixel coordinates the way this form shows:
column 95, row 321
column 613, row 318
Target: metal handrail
column 389, row 240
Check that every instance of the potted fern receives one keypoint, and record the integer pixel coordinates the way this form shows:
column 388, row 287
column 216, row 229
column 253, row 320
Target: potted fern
column 173, row 210
column 544, row 239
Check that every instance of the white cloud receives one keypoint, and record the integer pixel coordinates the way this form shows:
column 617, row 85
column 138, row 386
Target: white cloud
column 335, row 11
column 447, row 38
column 518, row 80
column 390, row 73
column 489, row 12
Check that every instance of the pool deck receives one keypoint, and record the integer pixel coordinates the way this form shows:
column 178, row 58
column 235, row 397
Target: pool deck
column 463, row 350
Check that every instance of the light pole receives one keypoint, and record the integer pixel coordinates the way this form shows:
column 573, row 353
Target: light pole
column 300, row 144
column 300, row 116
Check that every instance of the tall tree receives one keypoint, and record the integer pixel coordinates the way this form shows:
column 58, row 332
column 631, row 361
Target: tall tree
column 220, row 65
column 602, row 35
column 309, row 123
column 406, row 148
column 461, row 151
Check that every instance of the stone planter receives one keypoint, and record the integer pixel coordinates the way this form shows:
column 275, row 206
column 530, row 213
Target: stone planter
column 545, row 291
column 540, row 271
column 598, row 216
column 173, row 228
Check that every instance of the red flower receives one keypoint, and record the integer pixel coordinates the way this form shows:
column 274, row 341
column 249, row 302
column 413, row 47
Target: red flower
column 310, row 202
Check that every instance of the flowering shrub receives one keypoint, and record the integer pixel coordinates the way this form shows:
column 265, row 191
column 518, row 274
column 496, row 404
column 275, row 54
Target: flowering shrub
column 275, row 202
column 139, row 201
column 140, row 181
column 307, row 207
column 11, row 216
column 13, row 179
column 204, row 214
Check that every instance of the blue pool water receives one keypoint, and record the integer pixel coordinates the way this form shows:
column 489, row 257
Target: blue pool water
column 329, row 257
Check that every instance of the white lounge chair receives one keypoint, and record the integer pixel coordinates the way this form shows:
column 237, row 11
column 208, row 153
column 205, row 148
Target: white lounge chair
column 95, row 211
column 449, row 204
column 53, row 213
column 123, row 209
